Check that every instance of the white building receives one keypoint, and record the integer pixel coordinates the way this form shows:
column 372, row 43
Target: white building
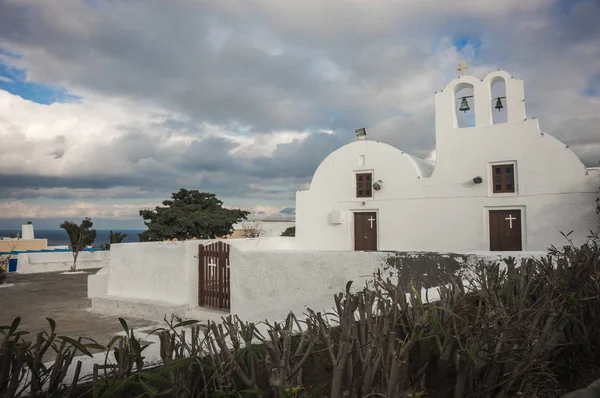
column 494, row 187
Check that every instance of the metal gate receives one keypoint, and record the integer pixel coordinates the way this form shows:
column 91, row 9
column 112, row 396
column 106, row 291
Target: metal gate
column 213, row 272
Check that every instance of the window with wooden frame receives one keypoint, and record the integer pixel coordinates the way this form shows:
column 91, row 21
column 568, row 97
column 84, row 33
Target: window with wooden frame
column 364, row 186
column 503, row 178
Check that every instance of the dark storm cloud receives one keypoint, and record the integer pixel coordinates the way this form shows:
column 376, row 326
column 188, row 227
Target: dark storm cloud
column 269, row 67
column 210, row 154
column 298, row 159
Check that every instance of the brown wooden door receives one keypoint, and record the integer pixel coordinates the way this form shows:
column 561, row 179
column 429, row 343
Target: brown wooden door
column 505, row 230
column 365, row 231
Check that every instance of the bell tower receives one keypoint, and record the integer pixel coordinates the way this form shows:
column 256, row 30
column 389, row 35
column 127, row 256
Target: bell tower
column 479, row 106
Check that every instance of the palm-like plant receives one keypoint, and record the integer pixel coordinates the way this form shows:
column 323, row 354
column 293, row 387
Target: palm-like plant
column 116, row 237
column 81, row 235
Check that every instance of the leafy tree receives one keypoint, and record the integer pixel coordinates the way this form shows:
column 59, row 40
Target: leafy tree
column 290, row 231
column 81, row 235
column 114, row 237
column 190, row 214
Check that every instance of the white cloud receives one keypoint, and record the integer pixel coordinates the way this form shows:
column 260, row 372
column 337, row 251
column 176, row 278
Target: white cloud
column 19, row 209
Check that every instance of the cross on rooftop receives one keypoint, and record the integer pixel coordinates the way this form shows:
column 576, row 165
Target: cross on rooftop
column 462, row 67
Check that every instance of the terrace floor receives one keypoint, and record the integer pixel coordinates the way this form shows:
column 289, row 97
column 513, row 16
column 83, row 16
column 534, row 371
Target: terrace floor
column 34, row 297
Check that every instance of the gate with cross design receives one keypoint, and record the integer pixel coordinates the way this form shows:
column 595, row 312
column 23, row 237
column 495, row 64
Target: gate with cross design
column 365, row 231
column 214, row 277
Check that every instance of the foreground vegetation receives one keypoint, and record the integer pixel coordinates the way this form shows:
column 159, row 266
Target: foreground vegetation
column 528, row 329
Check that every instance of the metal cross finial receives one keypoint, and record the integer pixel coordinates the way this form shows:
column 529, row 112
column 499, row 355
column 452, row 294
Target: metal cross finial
column 462, row 67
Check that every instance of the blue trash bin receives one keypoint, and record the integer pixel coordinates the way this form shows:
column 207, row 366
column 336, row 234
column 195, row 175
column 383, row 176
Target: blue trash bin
column 12, row 265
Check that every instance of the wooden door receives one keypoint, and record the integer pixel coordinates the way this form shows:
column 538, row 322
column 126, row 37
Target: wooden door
column 365, row 231
column 505, row 230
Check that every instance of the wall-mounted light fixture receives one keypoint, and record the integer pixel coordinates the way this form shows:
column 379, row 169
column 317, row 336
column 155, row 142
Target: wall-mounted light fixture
column 377, row 185
column 477, row 180
column 360, row 133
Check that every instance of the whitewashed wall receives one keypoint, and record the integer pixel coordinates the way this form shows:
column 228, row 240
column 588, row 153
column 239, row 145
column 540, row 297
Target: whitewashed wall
column 268, row 285
column 447, row 211
column 154, row 271
column 30, row 263
column 157, row 278
column 168, row 271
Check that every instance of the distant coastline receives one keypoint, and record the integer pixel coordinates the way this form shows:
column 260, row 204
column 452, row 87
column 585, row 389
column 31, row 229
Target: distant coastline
column 58, row 237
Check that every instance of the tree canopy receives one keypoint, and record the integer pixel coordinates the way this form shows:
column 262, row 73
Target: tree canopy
column 289, row 231
column 114, row 237
column 190, row 214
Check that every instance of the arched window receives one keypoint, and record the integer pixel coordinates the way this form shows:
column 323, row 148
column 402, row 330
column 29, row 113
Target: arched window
column 464, row 108
column 498, row 100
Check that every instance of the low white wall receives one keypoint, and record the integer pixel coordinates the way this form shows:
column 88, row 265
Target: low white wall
column 163, row 271
column 168, row 271
column 98, row 283
column 268, row 285
column 31, row 263
column 264, row 284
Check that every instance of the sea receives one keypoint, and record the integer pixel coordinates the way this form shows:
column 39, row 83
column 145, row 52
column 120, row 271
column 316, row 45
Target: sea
column 59, row 237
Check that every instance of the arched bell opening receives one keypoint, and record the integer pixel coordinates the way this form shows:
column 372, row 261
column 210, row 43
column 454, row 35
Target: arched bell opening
column 464, row 107
column 498, row 100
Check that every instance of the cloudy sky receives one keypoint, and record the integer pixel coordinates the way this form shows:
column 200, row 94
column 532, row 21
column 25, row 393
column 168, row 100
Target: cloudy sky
column 108, row 106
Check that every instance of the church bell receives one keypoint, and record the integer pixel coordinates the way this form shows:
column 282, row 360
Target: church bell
column 499, row 104
column 464, row 105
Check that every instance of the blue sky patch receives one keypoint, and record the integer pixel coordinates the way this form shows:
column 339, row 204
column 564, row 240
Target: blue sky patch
column 13, row 81
column 463, row 41
column 593, row 86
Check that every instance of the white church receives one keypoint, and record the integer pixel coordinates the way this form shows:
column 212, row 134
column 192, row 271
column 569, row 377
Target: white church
column 494, row 187
column 501, row 187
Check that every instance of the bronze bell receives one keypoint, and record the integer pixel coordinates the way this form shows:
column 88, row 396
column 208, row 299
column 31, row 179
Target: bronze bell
column 464, row 105
column 499, row 104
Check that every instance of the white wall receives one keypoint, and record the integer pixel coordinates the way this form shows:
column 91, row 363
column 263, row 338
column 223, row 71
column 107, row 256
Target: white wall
column 30, row 263
column 168, row 271
column 154, row 271
column 268, row 285
column 446, row 211
column 157, row 278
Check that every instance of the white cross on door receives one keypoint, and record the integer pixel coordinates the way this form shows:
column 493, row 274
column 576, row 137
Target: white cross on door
column 510, row 219
column 371, row 221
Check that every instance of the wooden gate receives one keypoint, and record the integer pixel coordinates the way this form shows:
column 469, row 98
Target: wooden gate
column 213, row 273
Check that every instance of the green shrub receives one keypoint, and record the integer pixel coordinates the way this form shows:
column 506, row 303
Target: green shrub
column 497, row 330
